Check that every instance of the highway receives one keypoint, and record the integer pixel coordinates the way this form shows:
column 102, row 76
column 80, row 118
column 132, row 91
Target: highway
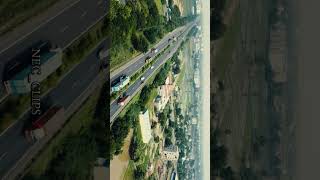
column 13, row 144
column 131, row 67
column 115, row 108
column 61, row 30
column 69, row 88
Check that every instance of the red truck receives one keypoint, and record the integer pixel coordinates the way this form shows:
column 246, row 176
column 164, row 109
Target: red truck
column 37, row 130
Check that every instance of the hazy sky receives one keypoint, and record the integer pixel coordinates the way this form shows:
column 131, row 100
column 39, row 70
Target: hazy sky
column 205, row 83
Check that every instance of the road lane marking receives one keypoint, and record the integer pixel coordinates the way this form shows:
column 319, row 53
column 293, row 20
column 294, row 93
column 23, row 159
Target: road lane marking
column 3, row 155
column 23, row 37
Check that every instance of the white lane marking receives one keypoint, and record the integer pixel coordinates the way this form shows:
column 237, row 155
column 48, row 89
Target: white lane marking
column 3, row 155
column 15, row 42
column 64, row 29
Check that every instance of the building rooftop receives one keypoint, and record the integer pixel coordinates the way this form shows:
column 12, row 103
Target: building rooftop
column 145, row 126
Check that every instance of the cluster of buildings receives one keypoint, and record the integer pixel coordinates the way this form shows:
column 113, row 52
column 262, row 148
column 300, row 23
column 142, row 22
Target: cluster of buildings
column 170, row 153
column 32, row 66
column 197, row 9
column 164, row 93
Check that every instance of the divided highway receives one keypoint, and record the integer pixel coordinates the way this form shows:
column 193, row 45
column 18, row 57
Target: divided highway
column 61, row 30
column 69, row 88
column 134, row 65
column 13, row 144
column 115, row 108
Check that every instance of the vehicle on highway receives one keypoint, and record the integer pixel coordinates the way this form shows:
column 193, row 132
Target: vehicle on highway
column 38, row 128
column 151, row 67
column 154, row 50
column 142, row 78
column 123, row 100
column 148, row 58
column 118, row 84
column 174, row 39
column 103, row 53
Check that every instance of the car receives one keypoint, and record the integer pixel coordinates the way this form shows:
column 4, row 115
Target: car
column 123, row 100
column 142, row 78
column 147, row 59
column 154, row 50
column 151, row 67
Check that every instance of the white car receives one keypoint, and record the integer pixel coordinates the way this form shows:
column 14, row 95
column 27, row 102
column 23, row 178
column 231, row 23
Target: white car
column 151, row 67
column 142, row 78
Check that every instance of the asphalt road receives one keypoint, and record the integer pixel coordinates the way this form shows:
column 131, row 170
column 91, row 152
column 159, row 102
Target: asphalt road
column 139, row 61
column 64, row 94
column 115, row 108
column 61, row 30
column 13, row 144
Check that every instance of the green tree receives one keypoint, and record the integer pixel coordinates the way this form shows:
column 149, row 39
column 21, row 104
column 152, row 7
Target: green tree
column 140, row 172
column 139, row 42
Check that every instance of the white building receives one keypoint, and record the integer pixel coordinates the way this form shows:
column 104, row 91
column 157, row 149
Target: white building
column 145, row 126
column 170, row 153
column 197, row 78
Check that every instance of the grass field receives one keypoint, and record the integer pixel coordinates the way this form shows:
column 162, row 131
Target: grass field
column 159, row 6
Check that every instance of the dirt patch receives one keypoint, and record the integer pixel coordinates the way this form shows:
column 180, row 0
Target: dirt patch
column 119, row 163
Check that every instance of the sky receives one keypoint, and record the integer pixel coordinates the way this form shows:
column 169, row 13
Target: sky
column 205, row 83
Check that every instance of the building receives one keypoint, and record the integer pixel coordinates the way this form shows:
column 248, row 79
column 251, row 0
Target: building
column 19, row 76
column 170, row 153
column 145, row 126
column 197, row 78
column 124, row 80
column 194, row 121
column 164, row 93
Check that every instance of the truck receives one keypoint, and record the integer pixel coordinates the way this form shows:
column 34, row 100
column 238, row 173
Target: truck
column 124, row 99
column 120, row 83
column 38, row 127
column 103, row 53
